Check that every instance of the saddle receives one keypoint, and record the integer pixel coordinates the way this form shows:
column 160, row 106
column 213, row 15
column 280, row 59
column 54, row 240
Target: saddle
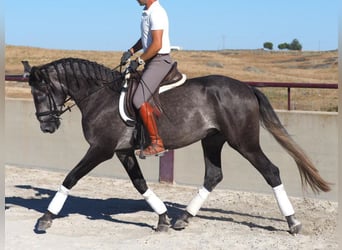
column 173, row 79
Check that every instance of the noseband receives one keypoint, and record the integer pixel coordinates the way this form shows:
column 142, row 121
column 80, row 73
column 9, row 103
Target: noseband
column 55, row 112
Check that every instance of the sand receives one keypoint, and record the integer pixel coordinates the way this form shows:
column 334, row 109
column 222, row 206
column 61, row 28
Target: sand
column 106, row 213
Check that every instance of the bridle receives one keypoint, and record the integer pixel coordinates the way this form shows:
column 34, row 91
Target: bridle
column 56, row 110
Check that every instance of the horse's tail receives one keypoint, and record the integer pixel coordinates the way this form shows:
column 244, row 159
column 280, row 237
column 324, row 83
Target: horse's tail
column 308, row 173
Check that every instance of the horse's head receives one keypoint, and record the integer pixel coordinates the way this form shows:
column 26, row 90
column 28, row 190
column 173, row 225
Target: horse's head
column 48, row 99
column 74, row 78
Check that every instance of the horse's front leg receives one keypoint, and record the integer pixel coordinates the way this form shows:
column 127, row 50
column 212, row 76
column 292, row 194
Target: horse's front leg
column 131, row 165
column 94, row 156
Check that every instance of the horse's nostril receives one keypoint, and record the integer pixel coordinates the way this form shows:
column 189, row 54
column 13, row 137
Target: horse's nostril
column 48, row 129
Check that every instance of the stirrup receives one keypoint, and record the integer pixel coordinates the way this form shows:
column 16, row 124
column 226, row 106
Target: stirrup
column 142, row 155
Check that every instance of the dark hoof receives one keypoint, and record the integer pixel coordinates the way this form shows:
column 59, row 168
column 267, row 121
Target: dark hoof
column 163, row 223
column 163, row 228
column 294, row 225
column 180, row 224
column 182, row 221
column 43, row 223
column 295, row 229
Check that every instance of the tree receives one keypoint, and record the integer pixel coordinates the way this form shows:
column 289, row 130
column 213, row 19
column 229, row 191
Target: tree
column 268, row 45
column 283, row 46
column 295, row 45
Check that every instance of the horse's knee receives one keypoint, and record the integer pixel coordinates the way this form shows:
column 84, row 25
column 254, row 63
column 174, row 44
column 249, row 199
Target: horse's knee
column 94, row 157
column 131, row 166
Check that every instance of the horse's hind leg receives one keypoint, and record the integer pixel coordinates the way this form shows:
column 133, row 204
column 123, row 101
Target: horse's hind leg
column 254, row 154
column 93, row 157
column 212, row 147
column 131, row 165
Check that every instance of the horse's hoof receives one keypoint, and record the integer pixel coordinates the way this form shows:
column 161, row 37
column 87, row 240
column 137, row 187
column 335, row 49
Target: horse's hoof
column 43, row 223
column 294, row 225
column 163, row 228
column 180, row 224
column 163, row 223
column 183, row 221
column 295, row 229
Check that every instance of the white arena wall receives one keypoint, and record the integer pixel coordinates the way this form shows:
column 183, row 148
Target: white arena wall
column 315, row 132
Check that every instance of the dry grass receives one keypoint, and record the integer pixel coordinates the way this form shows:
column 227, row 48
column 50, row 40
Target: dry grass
column 245, row 65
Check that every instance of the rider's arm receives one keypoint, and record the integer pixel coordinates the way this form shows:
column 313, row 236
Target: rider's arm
column 156, row 45
column 136, row 47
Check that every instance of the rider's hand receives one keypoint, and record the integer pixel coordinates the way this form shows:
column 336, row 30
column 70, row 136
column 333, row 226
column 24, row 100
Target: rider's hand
column 134, row 65
column 125, row 57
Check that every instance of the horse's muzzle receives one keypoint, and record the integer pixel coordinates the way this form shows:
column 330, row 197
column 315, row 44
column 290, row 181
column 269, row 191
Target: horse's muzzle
column 49, row 127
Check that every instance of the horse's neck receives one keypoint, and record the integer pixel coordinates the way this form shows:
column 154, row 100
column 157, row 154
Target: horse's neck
column 82, row 86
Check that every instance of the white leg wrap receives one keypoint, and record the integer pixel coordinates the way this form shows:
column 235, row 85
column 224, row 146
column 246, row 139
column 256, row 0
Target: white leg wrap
column 58, row 200
column 197, row 202
column 284, row 203
column 156, row 204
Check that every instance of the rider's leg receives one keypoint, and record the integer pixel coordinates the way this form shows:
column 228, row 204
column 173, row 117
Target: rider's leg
column 153, row 73
column 147, row 116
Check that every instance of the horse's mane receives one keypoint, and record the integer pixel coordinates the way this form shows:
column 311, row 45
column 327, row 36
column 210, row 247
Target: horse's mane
column 75, row 69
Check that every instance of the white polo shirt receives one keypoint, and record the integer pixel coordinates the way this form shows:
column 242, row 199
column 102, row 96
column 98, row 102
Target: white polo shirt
column 155, row 18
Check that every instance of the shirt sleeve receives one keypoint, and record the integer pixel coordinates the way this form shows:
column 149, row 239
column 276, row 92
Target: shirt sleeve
column 158, row 20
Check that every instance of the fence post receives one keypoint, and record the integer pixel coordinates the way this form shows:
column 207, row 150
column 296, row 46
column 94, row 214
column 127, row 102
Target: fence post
column 166, row 167
column 288, row 98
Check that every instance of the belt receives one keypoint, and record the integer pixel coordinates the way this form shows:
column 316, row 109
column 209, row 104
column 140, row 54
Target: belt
column 158, row 55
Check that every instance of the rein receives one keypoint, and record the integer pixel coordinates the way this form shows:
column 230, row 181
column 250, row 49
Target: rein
column 68, row 108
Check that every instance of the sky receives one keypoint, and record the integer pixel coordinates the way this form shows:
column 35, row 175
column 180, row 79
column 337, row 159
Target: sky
column 114, row 25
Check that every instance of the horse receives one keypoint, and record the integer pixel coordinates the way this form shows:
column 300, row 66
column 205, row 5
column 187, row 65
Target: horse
column 213, row 109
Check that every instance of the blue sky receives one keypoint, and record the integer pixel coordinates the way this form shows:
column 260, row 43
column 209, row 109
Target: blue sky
column 194, row 25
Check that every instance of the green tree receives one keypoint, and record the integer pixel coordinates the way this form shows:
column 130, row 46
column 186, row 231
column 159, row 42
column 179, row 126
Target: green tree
column 283, row 46
column 295, row 45
column 268, row 45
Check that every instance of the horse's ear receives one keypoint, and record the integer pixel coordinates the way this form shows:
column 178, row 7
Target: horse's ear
column 34, row 75
column 27, row 68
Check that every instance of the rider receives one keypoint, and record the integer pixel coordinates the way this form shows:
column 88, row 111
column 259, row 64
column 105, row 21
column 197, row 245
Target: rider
column 157, row 63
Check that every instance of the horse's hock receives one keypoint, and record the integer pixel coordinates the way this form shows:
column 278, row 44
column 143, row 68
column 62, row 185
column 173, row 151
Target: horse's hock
column 316, row 132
